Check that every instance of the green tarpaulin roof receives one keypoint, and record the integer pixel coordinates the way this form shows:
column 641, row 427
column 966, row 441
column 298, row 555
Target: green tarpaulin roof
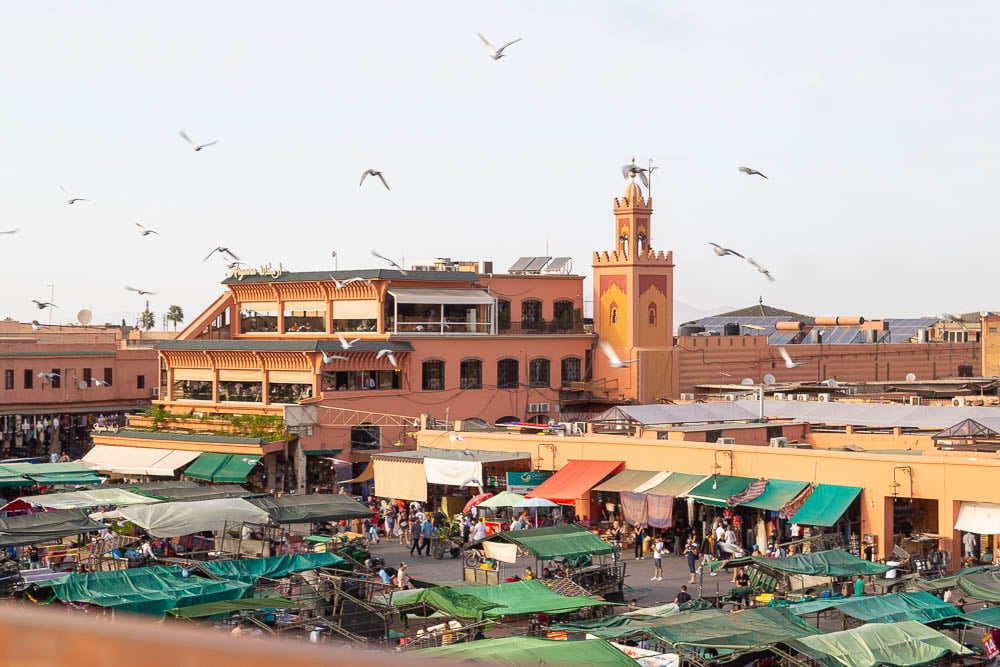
column 44, row 526
column 236, row 468
column 229, row 606
column 778, row 493
column 879, row 644
column 206, row 465
column 890, row 608
column 510, row 599
column 715, row 489
column 982, row 583
column 145, row 590
column 751, row 628
column 8, row 478
column 988, row 616
column 620, row 625
column 831, row 563
column 531, row 651
column 196, row 492
column 826, row 505
column 449, row 601
column 568, row 541
column 313, row 507
column 53, row 473
column 251, row 569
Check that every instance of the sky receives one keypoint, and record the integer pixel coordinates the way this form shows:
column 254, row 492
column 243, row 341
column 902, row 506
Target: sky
column 876, row 124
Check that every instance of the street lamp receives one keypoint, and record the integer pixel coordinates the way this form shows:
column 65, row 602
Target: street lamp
column 768, row 380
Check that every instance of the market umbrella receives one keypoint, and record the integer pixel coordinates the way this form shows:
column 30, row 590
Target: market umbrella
column 535, row 502
column 475, row 500
column 503, row 499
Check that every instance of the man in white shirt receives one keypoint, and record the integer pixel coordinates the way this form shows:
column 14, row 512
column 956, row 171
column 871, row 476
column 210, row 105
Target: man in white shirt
column 969, row 545
column 720, row 536
column 479, row 531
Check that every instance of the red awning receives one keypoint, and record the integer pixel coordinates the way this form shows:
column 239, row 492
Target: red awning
column 575, row 480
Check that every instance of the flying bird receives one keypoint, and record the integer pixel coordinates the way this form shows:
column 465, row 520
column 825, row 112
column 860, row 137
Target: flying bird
column 761, row 269
column 100, row 383
column 196, row 147
column 635, row 170
column 327, row 358
column 722, row 252
column 752, row 172
column 9, row 231
column 497, row 54
column 346, row 344
column 42, row 305
column 49, row 376
column 341, row 284
column 612, row 356
column 225, row 251
column 788, row 358
column 388, row 355
column 72, row 199
column 138, row 291
column 145, row 231
column 373, row 172
column 391, row 263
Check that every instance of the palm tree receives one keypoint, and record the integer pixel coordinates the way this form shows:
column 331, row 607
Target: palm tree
column 147, row 320
column 175, row 314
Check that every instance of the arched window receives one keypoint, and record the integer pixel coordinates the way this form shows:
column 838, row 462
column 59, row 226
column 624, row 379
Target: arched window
column 652, row 314
column 503, row 314
column 538, row 372
column 640, row 238
column 571, row 370
column 531, row 313
column 433, row 375
column 471, row 374
column 562, row 314
column 614, row 313
column 508, row 372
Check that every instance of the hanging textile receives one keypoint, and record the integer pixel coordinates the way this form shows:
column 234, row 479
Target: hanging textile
column 634, row 507
column 660, row 511
column 754, row 490
column 789, row 509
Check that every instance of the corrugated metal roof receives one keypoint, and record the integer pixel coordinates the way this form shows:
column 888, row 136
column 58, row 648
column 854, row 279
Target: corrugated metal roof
column 866, row 414
column 371, row 274
column 312, row 345
column 481, row 455
column 442, row 296
column 689, row 413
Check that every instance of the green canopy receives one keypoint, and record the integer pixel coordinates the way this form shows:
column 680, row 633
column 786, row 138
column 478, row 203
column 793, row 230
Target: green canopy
column 620, row 625
column 53, row 474
column 889, row 608
column 449, row 601
column 988, row 616
column 44, row 526
column 510, row 599
column 717, row 488
column 982, row 583
column 531, row 651
column 9, row 478
column 145, row 590
column 831, row 563
column 250, row 569
column 229, row 606
column 676, row 484
column 195, row 492
column 826, row 505
column 778, row 493
column 313, row 507
column 878, row 645
column 236, row 468
column 502, row 499
column 205, row 466
column 749, row 629
column 567, row 540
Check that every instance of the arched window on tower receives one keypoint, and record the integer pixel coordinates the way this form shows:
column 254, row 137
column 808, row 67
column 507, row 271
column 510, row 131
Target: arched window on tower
column 623, row 243
column 641, row 241
column 652, row 314
column 614, row 314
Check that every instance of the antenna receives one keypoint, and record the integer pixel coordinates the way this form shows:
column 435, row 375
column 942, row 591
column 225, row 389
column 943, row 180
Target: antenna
column 911, row 377
column 84, row 317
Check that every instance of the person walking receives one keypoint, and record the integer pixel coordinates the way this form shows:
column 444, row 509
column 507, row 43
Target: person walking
column 691, row 553
column 426, row 531
column 638, row 535
column 415, row 531
column 657, row 559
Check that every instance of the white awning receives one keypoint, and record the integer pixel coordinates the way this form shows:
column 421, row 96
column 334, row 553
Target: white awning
column 184, row 518
column 979, row 518
column 355, row 309
column 447, row 297
column 453, row 473
column 137, row 460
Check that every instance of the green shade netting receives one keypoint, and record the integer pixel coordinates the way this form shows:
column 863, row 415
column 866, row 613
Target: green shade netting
column 510, row 599
column 44, row 526
column 531, row 651
column 568, row 541
column 620, row 625
column 236, row 468
column 982, row 583
column 826, row 505
column 206, row 465
column 778, row 493
column 751, row 628
column 314, row 507
column 988, row 616
column 250, row 569
column 229, row 606
column 450, row 601
column 879, row 644
column 725, row 486
column 8, row 478
column 65, row 479
column 832, row 563
column 890, row 608
column 146, row 590
column 52, row 474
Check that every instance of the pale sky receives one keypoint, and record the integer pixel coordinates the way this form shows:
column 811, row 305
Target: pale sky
column 875, row 122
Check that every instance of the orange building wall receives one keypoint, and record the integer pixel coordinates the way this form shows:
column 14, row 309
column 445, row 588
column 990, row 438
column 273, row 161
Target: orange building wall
column 991, row 346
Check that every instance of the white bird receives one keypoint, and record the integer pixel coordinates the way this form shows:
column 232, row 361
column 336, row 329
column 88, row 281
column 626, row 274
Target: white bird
column 391, row 263
column 36, row 327
column 100, row 383
column 454, row 437
column 388, row 355
column 138, row 291
column 722, row 252
column 761, row 269
column 612, row 356
column 9, row 231
column 327, row 358
column 635, row 170
column 788, row 358
column 145, row 231
column 497, row 54
column 196, row 147
column 42, row 305
column 72, row 199
column 346, row 344
column 341, row 284
column 225, row 251
column 373, row 172
column 752, row 172
column 49, row 376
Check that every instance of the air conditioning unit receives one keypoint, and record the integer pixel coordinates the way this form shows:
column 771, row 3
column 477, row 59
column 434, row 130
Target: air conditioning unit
column 802, row 397
column 579, row 428
column 958, row 401
column 156, row 392
column 779, row 442
column 687, row 397
column 915, row 400
column 778, row 396
column 731, row 397
column 725, row 441
column 823, row 398
column 538, row 407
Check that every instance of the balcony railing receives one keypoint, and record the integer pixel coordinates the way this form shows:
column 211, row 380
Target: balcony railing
column 541, row 327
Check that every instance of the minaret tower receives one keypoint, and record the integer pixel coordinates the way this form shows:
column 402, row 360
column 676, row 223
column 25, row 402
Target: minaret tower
column 633, row 302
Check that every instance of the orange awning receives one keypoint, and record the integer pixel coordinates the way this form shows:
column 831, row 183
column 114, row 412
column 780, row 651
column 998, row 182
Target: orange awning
column 575, row 480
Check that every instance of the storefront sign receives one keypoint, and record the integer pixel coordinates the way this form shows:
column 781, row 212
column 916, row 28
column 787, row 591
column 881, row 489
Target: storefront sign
column 240, row 272
column 990, row 646
column 522, row 482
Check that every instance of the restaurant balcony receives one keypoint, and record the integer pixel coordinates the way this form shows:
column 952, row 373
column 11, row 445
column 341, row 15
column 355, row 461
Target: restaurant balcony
column 542, row 327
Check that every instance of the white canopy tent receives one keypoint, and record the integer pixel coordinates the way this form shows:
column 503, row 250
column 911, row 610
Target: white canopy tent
column 184, row 518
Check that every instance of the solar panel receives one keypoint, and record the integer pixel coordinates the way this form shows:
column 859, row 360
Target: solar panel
column 520, row 264
column 559, row 265
column 537, row 263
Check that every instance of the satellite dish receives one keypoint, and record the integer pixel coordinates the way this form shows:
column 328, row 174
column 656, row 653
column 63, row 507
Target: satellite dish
column 769, row 379
column 82, row 384
column 747, row 382
column 830, row 383
column 84, row 317
column 910, row 377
